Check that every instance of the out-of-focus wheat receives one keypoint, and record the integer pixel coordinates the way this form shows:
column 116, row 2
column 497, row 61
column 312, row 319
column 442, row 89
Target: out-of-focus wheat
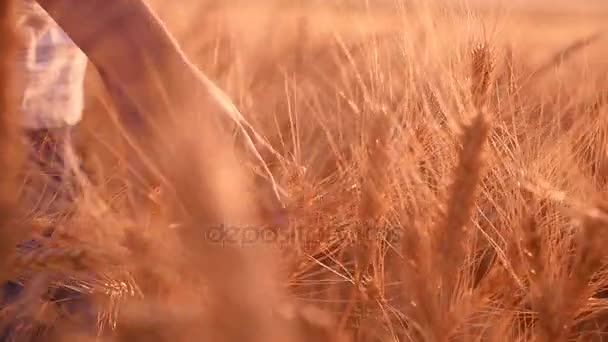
column 10, row 152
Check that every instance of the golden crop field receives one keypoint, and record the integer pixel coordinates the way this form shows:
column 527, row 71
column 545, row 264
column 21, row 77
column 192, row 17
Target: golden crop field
column 445, row 162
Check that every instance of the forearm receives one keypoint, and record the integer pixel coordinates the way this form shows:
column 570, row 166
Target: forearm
column 130, row 46
column 138, row 56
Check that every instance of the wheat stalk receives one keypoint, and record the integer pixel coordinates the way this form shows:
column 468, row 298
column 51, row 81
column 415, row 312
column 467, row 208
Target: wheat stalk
column 10, row 152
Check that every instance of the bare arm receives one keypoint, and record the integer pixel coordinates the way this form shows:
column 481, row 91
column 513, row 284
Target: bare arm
column 136, row 54
column 131, row 47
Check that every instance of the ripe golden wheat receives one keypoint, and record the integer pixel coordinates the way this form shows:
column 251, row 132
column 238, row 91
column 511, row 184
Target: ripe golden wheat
column 443, row 187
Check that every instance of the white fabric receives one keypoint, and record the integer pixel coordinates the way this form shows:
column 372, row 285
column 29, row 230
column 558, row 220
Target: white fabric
column 53, row 71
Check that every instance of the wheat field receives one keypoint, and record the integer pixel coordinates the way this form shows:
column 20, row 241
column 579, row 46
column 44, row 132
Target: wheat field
column 445, row 163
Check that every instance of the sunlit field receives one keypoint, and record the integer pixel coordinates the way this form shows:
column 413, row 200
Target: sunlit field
column 445, row 165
